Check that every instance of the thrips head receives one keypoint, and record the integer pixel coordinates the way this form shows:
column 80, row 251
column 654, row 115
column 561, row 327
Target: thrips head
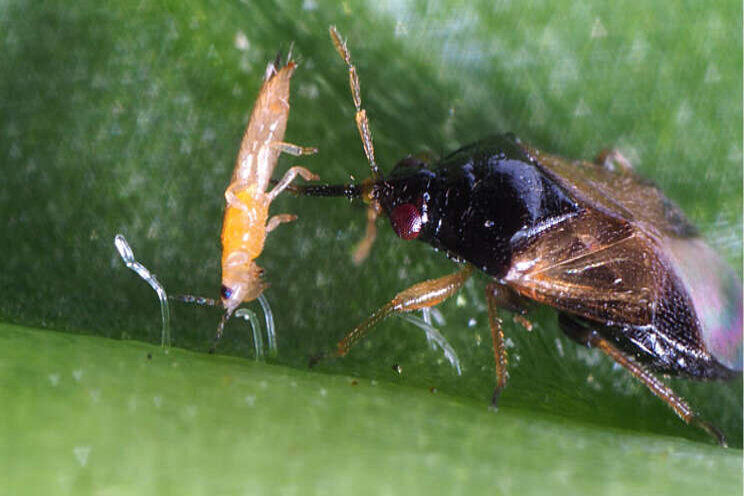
column 241, row 282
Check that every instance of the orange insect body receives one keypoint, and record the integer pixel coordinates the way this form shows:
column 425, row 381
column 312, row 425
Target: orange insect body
column 246, row 220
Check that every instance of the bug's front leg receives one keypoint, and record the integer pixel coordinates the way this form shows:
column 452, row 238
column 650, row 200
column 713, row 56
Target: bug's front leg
column 422, row 295
column 362, row 249
column 498, row 297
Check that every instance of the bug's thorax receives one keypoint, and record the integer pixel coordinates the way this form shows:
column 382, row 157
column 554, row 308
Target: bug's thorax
column 479, row 204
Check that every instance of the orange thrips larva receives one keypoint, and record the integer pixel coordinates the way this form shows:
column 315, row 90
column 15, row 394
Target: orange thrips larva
column 246, row 220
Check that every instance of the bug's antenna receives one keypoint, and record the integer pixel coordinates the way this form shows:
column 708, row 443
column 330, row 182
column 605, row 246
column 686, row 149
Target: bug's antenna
column 356, row 93
column 127, row 255
column 362, row 249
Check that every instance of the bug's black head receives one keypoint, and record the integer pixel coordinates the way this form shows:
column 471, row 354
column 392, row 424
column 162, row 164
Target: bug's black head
column 404, row 197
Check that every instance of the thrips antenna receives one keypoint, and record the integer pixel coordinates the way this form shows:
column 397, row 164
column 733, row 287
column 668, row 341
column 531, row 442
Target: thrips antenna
column 197, row 300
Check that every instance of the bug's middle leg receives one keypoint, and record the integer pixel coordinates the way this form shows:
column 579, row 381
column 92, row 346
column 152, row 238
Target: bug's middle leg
column 422, row 295
column 498, row 297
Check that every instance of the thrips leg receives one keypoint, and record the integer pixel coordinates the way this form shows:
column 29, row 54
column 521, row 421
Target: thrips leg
column 289, row 176
column 220, row 329
column 232, row 200
column 421, row 295
column 657, row 387
column 275, row 220
column 293, row 149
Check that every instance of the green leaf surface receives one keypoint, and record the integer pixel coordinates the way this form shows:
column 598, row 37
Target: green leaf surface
column 85, row 415
column 126, row 117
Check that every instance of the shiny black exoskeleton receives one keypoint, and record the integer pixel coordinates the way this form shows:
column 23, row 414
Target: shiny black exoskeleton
column 476, row 202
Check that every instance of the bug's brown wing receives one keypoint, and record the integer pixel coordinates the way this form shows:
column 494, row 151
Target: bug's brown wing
column 620, row 193
column 595, row 266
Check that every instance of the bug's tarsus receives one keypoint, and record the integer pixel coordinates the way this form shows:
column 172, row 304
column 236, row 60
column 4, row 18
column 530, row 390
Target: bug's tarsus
column 317, row 358
column 712, row 430
column 494, row 406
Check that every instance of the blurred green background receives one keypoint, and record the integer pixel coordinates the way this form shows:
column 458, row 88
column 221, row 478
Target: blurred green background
column 124, row 117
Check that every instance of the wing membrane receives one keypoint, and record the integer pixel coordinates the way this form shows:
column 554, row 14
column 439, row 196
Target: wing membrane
column 592, row 265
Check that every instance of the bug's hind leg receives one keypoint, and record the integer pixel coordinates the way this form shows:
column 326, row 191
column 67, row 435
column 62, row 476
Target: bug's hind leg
column 422, row 295
column 666, row 394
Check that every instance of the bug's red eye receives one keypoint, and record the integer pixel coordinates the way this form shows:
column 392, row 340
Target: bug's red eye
column 406, row 220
